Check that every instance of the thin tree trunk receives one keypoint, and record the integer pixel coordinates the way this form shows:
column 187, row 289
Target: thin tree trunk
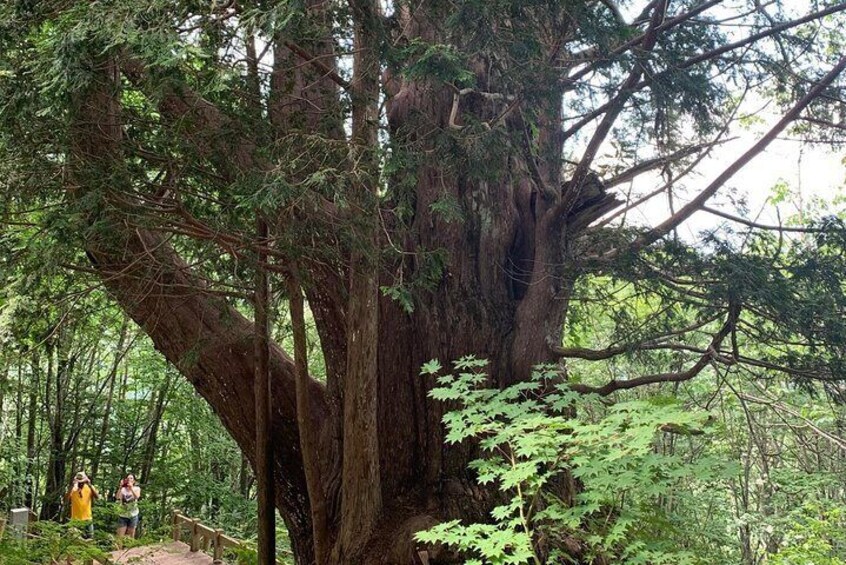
column 244, row 477
column 104, row 427
column 308, row 434
column 264, row 410
column 153, row 430
column 57, row 463
column 361, row 483
column 19, row 393
column 72, row 439
column 32, row 421
column 112, row 377
column 4, row 380
column 164, row 491
column 218, row 473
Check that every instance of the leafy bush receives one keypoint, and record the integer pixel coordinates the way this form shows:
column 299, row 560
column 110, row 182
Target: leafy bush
column 816, row 536
column 53, row 543
column 574, row 471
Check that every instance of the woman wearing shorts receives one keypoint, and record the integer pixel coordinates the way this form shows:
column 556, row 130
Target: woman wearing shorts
column 127, row 498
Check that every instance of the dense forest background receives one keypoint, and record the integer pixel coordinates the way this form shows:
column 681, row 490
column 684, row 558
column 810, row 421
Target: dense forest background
column 83, row 389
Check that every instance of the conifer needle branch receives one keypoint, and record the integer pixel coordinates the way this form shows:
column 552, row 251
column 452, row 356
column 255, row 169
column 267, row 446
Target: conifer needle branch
column 570, row 196
column 610, row 105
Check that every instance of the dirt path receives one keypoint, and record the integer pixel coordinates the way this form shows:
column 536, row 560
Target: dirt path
column 174, row 553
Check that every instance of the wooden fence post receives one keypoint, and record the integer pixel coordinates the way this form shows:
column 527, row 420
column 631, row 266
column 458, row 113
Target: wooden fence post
column 218, row 549
column 32, row 519
column 175, row 533
column 2, row 527
column 195, row 536
column 202, row 537
column 206, row 534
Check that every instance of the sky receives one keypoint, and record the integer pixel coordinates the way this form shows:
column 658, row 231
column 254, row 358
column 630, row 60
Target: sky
column 813, row 172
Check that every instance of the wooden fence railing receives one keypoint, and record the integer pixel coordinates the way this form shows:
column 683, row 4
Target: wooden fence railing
column 202, row 536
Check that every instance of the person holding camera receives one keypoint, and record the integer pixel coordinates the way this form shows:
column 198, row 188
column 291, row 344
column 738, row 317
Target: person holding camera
column 128, row 513
column 81, row 496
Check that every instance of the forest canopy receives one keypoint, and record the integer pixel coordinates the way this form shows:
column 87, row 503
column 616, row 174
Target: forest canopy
column 205, row 202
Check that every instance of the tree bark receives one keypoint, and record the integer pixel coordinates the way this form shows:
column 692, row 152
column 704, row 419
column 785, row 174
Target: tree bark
column 149, row 452
column 244, row 477
column 309, row 439
column 209, row 341
column 264, row 409
column 32, row 421
column 361, row 485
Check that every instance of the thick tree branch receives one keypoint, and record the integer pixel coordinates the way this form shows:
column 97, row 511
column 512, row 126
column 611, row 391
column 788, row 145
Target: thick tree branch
column 570, row 196
column 327, row 70
column 206, row 128
column 210, row 341
column 604, row 354
column 710, row 354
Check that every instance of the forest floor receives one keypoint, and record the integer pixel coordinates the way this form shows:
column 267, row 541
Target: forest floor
column 174, row 553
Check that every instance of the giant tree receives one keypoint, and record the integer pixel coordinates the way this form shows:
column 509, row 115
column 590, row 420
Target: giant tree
column 436, row 178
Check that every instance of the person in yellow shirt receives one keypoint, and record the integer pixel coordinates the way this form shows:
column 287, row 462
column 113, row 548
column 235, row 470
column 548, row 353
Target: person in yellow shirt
column 81, row 495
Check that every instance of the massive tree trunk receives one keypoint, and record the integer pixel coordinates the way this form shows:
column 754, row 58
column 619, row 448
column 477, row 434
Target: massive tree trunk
column 375, row 419
column 471, row 310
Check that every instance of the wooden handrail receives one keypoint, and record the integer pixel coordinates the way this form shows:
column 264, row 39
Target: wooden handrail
column 203, row 536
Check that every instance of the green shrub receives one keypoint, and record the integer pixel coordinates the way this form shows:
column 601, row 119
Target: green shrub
column 539, row 436
column 51, row 543
column 816, row 536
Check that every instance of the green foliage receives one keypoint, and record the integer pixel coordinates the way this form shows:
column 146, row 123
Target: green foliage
column 438, row 62
column 539, row 439
column 53, row 543
column 815, row 536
